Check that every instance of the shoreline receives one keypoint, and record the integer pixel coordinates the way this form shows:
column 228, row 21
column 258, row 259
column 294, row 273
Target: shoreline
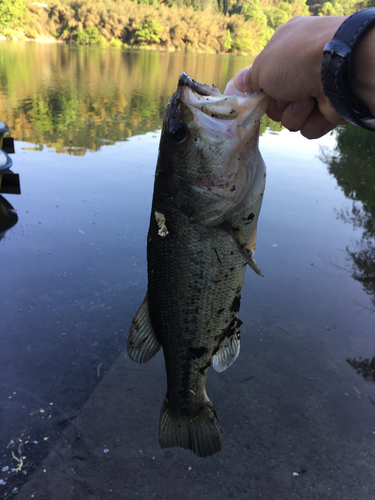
column 124, row 46
column 21, row 39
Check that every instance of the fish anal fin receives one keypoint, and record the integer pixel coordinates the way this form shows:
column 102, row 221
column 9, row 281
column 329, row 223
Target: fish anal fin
column 142, row 341
column 227, row 353
column 199, row 432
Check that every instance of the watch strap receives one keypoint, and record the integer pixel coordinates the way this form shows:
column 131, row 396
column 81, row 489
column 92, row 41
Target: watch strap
column 337, row 69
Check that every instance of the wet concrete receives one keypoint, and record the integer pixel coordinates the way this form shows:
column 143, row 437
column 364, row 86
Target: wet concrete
column 283, row 432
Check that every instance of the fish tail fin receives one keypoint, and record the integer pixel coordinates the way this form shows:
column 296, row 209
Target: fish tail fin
column 199, row 432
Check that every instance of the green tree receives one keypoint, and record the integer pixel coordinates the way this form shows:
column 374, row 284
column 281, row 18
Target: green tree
column 89, row 36
column 279, row 15
column 244, row 42
column 227, row 42
column 149, row 32
column 339, row 7
column 253, row 11
column 11, row 10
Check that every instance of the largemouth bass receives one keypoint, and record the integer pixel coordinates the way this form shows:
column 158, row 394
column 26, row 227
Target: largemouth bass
column 208, row 191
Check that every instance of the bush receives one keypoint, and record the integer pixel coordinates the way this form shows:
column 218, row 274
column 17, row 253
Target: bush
column 244, row 42
column 30, row 32
column 89, row 36
column 227, row 43
column 190, row 25
column 10, row 11
column 148, row 32
column 115, row 42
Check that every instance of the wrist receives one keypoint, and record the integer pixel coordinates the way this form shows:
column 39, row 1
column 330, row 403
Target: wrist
column 328, row 25
column 364, row 67
column 338, row 69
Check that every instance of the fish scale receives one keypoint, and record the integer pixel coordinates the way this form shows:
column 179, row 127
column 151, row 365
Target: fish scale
column 187, row 298
column 208, row 191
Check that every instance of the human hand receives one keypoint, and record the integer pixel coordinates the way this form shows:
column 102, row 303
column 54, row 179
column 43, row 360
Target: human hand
column 288, row 70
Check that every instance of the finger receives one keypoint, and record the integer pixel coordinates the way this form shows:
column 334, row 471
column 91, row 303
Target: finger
column 329, row 112
column 250, row 80
column 316, row 125
column 240, row 80
column 231, row 89
column 296, row 114
column 247, row 81
column 275, row 109
column 316, row 131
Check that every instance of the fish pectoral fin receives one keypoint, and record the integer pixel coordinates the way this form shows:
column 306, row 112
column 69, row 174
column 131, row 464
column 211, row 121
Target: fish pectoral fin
column 142, row 341
column 199, row 432
column 242, row 247
column 227, row 353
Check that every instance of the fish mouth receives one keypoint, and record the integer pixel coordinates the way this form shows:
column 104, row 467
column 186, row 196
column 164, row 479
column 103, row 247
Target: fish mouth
column 202, row 89
column 238, row 114
column 223, row 131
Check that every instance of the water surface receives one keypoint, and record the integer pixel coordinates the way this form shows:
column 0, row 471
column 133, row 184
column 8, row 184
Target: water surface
column 296, row 409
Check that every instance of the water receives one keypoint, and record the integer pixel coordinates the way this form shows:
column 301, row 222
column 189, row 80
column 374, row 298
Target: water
column 297, row 419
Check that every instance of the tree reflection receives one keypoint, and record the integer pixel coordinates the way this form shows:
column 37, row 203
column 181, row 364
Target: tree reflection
column 364, row 367
column 85, row 97
column 352, row 163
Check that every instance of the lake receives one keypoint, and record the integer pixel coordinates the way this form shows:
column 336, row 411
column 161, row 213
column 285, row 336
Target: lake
column 79, row 419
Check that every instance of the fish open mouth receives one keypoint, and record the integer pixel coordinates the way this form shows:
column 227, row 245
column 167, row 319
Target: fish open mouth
column 220, row 133
column 246, row 111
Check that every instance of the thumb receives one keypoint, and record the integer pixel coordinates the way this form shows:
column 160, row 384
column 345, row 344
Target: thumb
column 243, row 81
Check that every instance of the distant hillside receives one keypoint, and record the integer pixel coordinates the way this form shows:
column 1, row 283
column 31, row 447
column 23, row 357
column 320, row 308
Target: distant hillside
column 219, row 26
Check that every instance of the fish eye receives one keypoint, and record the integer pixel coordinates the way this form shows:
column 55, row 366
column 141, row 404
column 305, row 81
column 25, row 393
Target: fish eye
column 177, row 132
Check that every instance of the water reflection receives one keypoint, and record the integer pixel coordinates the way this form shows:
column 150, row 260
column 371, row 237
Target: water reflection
column 364, row 367
column 8, row 216
column 352, row 163
column 84, row 97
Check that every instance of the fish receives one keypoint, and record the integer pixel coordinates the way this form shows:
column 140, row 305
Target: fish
column 208, row 191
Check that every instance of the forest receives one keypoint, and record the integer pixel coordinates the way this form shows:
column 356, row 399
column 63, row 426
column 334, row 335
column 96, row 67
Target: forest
column 214, row 26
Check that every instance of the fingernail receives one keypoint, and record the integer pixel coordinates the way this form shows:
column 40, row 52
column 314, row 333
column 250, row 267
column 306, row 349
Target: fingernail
column 300, row 106
column 239, row 79
column 281, row 105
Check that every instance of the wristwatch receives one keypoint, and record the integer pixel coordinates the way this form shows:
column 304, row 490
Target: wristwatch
column 338, row 71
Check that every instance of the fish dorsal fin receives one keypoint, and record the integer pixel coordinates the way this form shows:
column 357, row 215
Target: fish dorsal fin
column 142, row 341
column 242, row 247
column 227, row 354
